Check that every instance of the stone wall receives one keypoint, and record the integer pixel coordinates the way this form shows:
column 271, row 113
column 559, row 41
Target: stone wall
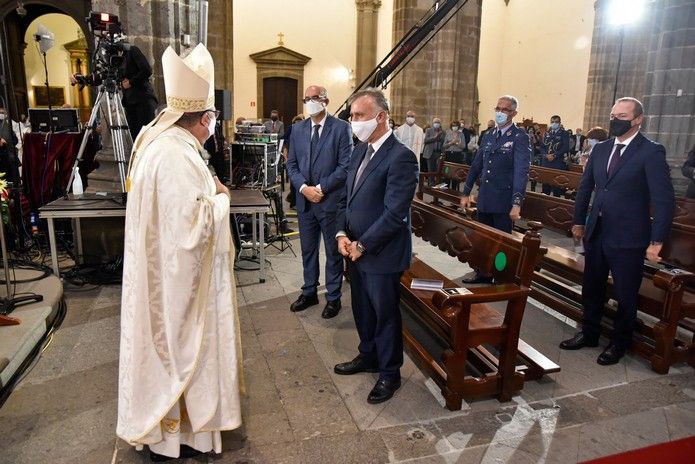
column 441, row 79
column 657, row 66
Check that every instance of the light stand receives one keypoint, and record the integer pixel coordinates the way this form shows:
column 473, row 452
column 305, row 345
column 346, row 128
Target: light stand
column 45, row 40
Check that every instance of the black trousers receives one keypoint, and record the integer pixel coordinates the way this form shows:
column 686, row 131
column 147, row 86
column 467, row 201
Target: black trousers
column 377, row 316
column 139, row 115
column 500, row 221
column 625, row 266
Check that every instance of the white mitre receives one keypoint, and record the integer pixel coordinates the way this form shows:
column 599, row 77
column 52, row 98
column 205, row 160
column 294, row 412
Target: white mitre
column 189, row 84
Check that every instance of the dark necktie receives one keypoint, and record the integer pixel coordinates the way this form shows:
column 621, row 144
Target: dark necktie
column 497, row 134
column 615, row 159
column 365, row 162
column 314, row 143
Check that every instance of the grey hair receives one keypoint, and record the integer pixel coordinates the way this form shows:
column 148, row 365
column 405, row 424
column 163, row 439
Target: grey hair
column 639, row 109
column 376, row 95
column 513, row 100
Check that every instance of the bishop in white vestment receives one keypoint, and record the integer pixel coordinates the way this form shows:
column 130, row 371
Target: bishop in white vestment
column 180, row 355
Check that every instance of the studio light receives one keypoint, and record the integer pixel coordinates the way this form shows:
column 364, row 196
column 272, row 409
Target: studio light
column 45, row 38
column 623, row 12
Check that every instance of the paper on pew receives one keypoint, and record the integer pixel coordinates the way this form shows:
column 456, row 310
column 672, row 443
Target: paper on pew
column 426, row 284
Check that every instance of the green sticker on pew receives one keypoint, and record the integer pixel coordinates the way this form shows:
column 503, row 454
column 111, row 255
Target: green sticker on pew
column 446, row 169
column 500, row 261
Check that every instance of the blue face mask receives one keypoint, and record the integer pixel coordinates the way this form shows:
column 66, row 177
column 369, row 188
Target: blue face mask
column 554, row 125
column 500, row 118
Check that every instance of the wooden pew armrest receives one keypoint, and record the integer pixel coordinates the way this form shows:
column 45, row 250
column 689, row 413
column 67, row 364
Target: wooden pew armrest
column 480, row 295
column 426, row 175
column 671, row 280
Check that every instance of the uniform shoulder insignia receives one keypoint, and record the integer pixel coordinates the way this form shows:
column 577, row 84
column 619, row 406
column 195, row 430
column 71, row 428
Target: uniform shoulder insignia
column 509, row 133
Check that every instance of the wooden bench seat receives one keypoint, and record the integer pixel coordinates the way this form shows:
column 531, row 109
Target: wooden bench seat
column 467, row 346
column 568, row 180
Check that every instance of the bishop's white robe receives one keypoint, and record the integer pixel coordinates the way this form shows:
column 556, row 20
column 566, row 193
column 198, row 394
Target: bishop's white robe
column 180, row 358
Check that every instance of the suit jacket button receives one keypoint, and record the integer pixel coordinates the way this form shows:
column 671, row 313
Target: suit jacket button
column 486, row 181
column 488, row 171
column 605, row 190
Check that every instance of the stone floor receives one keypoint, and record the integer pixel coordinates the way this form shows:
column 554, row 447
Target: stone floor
column 298, row 411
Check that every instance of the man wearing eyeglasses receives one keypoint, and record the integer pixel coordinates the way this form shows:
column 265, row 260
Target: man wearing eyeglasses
column 317, row 163
column 502, row 162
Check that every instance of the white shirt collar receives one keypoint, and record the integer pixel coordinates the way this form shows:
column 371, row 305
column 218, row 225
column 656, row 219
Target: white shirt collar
column 376, row 145
column 626, row 142
column 322, row 122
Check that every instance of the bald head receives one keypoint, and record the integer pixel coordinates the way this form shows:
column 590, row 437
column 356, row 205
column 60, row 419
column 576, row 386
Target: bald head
column 316, row 91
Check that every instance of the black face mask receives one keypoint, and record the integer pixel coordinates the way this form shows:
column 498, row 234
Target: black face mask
column 620, row 127
column 274, row 118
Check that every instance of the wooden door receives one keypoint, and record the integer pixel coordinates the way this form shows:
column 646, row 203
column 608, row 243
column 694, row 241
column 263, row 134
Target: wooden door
column 280, row 93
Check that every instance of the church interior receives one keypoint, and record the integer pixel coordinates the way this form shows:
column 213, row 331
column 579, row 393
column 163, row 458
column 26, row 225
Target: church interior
column 484, row 378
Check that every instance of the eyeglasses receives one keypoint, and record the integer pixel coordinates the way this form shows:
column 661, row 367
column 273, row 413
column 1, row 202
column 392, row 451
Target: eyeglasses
column 504, row 110
column 215, row 112
column 315, row 99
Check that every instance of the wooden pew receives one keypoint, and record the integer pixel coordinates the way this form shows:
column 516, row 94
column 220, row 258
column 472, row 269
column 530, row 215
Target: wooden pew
column 467, row 347
column 568, row 180
column 446, row 172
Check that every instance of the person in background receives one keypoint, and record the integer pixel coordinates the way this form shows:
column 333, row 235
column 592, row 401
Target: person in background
column 594, row 136
column 554, row 147
column 274, row 125
column 454, row 144
column 688, row 171
column 434, row 141
column 412, row 136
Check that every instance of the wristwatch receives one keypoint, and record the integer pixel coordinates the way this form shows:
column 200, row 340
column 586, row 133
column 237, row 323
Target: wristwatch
column 360, row 248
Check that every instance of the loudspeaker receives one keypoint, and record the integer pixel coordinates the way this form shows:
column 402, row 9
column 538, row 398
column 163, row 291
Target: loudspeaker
column 223, row 102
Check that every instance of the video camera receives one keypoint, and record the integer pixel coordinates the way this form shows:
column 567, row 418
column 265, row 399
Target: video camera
column 109, row 51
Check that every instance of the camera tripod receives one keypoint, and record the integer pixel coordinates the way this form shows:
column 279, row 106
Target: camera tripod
column 120, row 133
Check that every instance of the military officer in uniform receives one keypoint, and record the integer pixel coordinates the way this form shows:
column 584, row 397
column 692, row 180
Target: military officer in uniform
column 502, row 162
column 554, row 148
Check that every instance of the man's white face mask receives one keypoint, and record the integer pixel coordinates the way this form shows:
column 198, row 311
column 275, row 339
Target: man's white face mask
column 211, row 126
column 410, row 120
column 312, row 108
column 364, row 129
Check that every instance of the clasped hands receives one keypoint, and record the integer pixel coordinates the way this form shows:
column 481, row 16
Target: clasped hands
column 348, row 248
column 313, row 194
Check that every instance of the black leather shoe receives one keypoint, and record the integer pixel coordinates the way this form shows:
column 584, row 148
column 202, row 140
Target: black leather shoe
column 578, row 341
column 331, row 309
column 355, row 366
column 477, row 279
column 383, row 390
column 611, row 355
column 304, row 302
column 185, row 451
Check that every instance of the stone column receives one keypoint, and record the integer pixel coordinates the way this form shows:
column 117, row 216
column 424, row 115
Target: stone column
column 367, row 24
column 605, row 54
column 669, row 85
column 442, row 79
column 221, row 46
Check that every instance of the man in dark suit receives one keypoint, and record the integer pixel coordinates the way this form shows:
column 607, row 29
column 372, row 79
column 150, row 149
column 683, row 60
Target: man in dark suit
column 274, row 125
column 502, row 162
column 554, row 148
column 139, row 101
column 688, row 170
column 578, row 142
column 374, row 231
column 628, row 173
column 317, row 163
